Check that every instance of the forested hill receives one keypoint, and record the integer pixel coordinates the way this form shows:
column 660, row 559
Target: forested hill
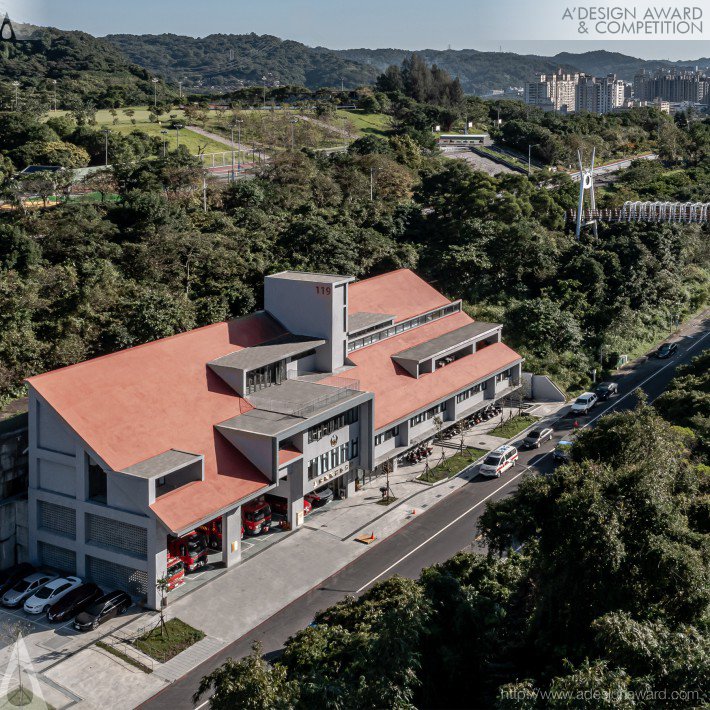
column 481, row 71
column 86, row 69
column 223, row 61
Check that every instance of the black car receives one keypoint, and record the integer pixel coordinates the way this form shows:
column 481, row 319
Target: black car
column 666, row 350
column 106, row 607
column 73, row 603
column 606, row 390
column 12, row 575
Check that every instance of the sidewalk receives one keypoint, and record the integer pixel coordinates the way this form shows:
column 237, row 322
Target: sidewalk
column 242, row 597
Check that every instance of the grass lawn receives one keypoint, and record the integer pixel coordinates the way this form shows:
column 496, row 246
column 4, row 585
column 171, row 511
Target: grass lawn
column 177, row 638
column 452, row 465
column 513, row 426
column 374, row 123
column 193, row 141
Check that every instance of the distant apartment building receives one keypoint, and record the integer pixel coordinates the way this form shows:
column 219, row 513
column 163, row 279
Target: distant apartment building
column 552, row 92
column 599, row 95
column 567, row 93
column 674, row 85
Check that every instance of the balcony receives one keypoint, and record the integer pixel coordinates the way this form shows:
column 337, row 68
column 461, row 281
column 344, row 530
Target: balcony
column 305, row 395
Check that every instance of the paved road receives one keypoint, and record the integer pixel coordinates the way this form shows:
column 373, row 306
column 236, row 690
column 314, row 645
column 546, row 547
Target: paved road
column 434, row 535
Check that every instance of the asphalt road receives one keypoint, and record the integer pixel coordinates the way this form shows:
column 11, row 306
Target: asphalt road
column 436, row 534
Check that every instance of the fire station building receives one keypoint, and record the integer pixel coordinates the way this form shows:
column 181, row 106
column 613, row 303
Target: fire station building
column 334, row 379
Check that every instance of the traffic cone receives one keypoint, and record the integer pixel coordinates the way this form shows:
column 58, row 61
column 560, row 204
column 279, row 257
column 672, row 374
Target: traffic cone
column 372, row 536
column 414, row 511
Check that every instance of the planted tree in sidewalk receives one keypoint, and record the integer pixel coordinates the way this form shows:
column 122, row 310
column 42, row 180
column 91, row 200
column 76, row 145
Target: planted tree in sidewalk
column 163, row 587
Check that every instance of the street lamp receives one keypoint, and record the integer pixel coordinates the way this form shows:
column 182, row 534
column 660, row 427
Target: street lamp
column 155, row 92
column 263, row 78
column 530, row 147
column 54, row 82
column 106, row 132
column 177, row 127
column 164, row 133
column 16, row 84
column 372, row 183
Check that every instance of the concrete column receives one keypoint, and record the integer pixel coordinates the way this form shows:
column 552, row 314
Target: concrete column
column 296, row 485
column 232, row 537
column 157, row 561
column 80, row 540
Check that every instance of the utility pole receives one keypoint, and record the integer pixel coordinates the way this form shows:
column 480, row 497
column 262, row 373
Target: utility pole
column 231, row 130
column 106, row 132
column 155, row 92
column 178, row 126
column 180, row 88
column 263, row 78
column 16, row 84
column 54, row 82
column 204, row 191
column 164, row 133
column 293, row 126
column 239, row 145
column 372, row 184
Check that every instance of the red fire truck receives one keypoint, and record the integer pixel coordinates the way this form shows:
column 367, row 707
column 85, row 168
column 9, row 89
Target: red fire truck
column 176, row 572
column 213, row 533
column 190, row 549
column 256, row 517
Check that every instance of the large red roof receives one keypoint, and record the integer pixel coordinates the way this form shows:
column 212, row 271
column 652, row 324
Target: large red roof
column 397, row 393
column 137, row 403
column 399, row 293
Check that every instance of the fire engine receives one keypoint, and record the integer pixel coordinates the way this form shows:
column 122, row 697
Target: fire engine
column 190, row 549
column 176, row 572
column 256, row 517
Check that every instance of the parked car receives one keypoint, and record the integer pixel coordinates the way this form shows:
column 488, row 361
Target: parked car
column 667, row 350
column 319, row 497
column 73, row 603
column 584, row 403
column 537, row 437
column 279, row 505
column 562, row 451
column 52, row 592
column 499, row 461
column 106, row 607
column 9, row 577
column 26, row 587
column 606, row 390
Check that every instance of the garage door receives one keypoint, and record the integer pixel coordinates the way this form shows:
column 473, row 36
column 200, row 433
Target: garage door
column 58, row 558
column 110, row 576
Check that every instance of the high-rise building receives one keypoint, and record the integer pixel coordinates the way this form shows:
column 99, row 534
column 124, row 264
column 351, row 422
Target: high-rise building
column 599, row 94
column 672, row 85
column 552, row 92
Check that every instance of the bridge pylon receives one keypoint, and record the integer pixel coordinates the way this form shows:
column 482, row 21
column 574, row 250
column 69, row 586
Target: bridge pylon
column 586, row 185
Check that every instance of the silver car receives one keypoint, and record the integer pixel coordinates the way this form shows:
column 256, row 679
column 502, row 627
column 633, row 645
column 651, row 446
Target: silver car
column 26, row 588
column 537, row 437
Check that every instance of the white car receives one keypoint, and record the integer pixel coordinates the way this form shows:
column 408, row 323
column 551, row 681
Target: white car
column 53, row 591
column 584, row 403
column 499, row 461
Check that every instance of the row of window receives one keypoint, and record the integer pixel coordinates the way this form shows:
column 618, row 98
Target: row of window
column 463, row 396
column 386, row 435
column 364, row 331
column 333, row 424
column 429, row 414
column 404, row 325
column 504, row 375
column 332, row 459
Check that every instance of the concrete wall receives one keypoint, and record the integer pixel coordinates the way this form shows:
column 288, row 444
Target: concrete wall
column 545, row 390
column 258, row 449
column 314, row 308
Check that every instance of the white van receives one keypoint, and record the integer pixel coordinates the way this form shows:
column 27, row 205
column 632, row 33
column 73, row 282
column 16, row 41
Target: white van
column 499, row 461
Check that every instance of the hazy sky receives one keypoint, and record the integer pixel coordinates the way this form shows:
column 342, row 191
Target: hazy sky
column 524, row 26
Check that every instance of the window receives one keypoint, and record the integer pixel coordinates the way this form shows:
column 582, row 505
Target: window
column 266, row 376
column 462, row 396
column 97, row 483
column 389, row 331
column 418, row 419
column 333, row 424
column 328, row 461
column 429, row 414
column 56, row 518
column 386, row 435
